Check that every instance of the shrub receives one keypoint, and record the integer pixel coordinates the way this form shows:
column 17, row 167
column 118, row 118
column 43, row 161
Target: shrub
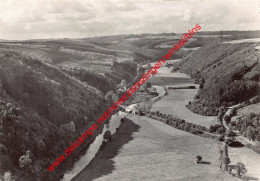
column 212, row 129
column 25, row 159
column 107, row 136
column 256, row 148
column 186, row 127
column 232, row 112
column 227, row 118
column 180, row 126
column 255, row 99
column 164, row 116
column 229, row 141
column 157, row 113
column 220, row 130
column 221, row 138
column 198, row 158
column 181, row 121
column 169, row 116
column 226, row 161
column 140, row 113
column 230, row 133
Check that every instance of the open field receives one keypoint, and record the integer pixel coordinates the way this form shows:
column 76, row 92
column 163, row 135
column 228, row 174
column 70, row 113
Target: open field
column 175, row 102
column 145, row 149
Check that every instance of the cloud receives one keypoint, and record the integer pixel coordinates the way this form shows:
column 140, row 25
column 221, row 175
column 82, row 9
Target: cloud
column 26, row 19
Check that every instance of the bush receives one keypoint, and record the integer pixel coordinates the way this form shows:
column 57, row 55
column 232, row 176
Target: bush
column 220, row 130
column 25, row 160
column 140, row 113
column 186, row 127
column 212, row 129
column 157, row 113
column 232, row 112
column 198, row 158
column 227, row 118
column 255, row 99
column 230, row 133
column 164, row 116
column 169, row 116
column 256, row 148
column 221, row 138
column 229, row 141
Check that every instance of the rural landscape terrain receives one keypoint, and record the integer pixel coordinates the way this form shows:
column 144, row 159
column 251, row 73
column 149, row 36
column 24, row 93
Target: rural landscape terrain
column 198, row 118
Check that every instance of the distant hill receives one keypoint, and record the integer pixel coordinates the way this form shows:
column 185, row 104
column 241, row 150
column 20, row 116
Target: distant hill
column 227, row 74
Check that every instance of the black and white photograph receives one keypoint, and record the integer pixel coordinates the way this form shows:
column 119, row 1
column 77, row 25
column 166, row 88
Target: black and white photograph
column 129, row 90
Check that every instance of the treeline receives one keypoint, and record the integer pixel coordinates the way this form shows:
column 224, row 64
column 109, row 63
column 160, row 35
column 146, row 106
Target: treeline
column 178, row 123
column 101, row 82
column 125, row 70
column 227, row 73
column 41, row 110
column 249, row 126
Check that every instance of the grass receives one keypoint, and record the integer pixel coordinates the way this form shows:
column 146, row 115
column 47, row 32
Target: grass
column 145, row 149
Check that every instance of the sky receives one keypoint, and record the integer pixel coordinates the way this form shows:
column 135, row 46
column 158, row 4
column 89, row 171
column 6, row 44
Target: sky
column 41, row 19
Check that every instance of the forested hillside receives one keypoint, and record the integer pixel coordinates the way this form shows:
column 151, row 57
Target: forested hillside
column 42, row 109
column 227, row 74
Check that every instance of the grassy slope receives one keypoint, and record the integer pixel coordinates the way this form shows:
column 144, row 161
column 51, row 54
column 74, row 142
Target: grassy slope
column 146, row 149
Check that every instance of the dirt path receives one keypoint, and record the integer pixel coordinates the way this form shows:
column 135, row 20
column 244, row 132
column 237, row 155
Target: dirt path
column 146, row 149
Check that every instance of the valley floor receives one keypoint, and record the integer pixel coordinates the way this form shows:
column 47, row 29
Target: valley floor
column 146, row 149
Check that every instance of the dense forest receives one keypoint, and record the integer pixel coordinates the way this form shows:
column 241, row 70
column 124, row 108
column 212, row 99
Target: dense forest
column 227, row 73
column 41, row 110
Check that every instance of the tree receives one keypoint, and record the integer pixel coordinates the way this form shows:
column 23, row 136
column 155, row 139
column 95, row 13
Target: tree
column 212, row 129
column 149, row 66
column 220, row 130
column 8, row 176
column 228, row 141
column 25, row 160
column 226, row 161
column 109, row 95
column 250, row 132
column 221, row 138
column 227, row 118
column 198, row 158
column 107, row 136
column 240, row 169
column 230, row 133
column 123, row 83
column 147, row 86
column 258, row 137
column 115, row 97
